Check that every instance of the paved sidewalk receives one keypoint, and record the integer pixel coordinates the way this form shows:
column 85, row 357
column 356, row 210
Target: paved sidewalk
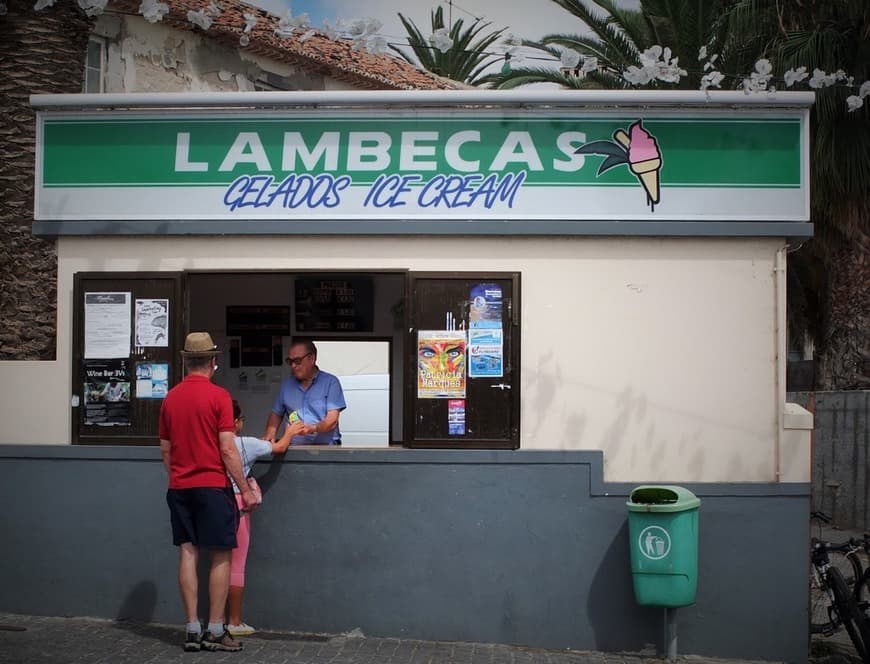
column 41, row 640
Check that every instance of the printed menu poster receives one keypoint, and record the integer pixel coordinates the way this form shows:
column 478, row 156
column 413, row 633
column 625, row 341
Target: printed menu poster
column 152, row 323
column 107, row 325
column 440, row 364
column 107, row 393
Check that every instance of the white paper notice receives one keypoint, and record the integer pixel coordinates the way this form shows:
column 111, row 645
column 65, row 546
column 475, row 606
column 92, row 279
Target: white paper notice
column 107, row 325
column 152, row 323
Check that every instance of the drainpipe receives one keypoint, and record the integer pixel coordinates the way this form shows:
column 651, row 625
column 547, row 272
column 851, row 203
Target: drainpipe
column 781, row 354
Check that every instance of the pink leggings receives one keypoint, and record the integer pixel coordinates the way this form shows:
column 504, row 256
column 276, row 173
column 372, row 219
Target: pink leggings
column 240, row 553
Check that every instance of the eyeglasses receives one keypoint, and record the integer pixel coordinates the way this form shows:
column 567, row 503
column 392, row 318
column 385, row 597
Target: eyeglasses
column 295, row 361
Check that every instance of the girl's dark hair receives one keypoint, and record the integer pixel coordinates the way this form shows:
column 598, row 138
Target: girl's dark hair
column 237, row 410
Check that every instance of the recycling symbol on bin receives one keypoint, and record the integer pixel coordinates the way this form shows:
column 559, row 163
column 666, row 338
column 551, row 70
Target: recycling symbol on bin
column 654, row 542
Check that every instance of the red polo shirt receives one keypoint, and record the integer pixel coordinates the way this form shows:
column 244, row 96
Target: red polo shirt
column 192, row 415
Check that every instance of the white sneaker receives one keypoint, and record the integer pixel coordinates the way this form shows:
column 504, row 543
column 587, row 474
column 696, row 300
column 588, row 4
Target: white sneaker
column 240, row 630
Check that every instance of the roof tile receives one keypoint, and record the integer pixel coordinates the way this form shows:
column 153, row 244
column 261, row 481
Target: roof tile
column 335, row 58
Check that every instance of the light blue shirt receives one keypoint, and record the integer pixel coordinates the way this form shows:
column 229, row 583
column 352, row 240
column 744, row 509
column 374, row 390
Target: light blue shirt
column 323, row 394
column 250, row 449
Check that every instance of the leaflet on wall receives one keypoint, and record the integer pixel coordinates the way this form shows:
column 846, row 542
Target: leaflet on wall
column 152, row 380
column 152, row 323
column 456, row 417
column 107, row 393
column 485, row 309
column 485, row 353
column 107, row 325
column 440, row 364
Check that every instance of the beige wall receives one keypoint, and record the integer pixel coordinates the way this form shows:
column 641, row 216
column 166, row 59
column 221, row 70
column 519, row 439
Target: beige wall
column 660, row 352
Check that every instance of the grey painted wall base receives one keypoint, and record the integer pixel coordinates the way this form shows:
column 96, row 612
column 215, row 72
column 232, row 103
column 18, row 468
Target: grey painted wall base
column 515, row 547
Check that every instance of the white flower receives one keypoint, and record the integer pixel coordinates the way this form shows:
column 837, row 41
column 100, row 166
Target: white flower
column 763, row 67
column 590, row 64
column 712, row 79
column 288, row 23
column 820, row 79
column 702, row 53
column 569, row 58
column 793, row 76
column 441, row 40
column 199, row 18
column 377, row 44
column 43, row 4
column 637, row 76
column 153, row 11
column 864, row 90
column 854, row 102
column 93, row 7
column 250, row 22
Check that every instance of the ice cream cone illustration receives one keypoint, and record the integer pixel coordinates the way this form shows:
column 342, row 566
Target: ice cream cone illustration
column 644, row 158
column 639, row 150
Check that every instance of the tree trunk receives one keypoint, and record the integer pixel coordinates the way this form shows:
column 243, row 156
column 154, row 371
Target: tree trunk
column 40, row 52
column 844, row 358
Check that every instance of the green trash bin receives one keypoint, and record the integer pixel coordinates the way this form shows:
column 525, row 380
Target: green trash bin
column 663, row 539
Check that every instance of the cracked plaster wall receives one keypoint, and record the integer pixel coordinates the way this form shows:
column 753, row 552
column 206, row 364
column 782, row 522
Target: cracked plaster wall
column 145, row 57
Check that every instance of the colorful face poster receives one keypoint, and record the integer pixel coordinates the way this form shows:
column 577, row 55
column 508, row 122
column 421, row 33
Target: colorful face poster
column 456, row 417
column 440, row 364
column 152, row 323
column 107, row 393
column 485, row 353
column 485, row 310
column 107, row 325
column 152, row 380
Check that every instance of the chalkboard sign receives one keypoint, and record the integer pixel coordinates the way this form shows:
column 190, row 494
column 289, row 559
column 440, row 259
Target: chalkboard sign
column 247, row 319
column 334, row 304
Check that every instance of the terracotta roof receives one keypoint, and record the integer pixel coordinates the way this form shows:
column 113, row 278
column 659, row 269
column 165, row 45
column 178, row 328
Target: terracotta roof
column 335, row 58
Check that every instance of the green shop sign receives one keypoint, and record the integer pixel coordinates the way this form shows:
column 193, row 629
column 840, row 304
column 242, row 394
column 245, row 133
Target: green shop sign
column 421, row 165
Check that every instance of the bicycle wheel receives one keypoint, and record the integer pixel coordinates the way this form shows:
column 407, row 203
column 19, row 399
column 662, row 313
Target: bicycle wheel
column 849, row 614
column 850, row 571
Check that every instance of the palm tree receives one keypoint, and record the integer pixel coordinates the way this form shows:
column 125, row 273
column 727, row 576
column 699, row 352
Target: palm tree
column 618, row 37
column 39, row 52
column 830, row 275
column 467, row 57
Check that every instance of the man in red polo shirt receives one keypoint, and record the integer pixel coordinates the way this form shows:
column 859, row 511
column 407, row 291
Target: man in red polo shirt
column 197, row 443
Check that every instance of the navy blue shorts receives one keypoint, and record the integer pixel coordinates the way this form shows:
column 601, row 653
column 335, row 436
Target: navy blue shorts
column 206, row 517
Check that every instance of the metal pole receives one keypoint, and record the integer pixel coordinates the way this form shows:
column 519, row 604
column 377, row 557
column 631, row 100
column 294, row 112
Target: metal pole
column 671, row 634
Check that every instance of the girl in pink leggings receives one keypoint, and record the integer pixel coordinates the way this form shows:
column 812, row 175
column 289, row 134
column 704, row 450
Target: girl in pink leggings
column 250, row 449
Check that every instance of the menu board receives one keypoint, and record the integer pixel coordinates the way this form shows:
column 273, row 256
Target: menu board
column 334, row 304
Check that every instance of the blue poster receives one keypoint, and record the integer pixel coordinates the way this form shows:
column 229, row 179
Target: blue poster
column 485, row 309
column 485, row 353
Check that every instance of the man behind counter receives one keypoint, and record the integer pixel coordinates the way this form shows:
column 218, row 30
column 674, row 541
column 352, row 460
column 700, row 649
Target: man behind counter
column 314, row 395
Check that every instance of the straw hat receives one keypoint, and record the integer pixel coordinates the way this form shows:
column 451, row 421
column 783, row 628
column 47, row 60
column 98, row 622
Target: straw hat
column 199, row 344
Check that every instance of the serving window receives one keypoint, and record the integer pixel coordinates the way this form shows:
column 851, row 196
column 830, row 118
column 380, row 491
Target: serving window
column 426, row 359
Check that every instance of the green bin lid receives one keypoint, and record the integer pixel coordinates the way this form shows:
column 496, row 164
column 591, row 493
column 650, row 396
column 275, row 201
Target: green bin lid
column 662, row 499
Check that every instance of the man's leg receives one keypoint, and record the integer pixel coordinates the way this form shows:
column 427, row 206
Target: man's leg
column 187, row 579
column 218, row 585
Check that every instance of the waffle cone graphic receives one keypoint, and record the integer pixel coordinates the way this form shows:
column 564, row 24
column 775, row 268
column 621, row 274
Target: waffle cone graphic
column 647, row 171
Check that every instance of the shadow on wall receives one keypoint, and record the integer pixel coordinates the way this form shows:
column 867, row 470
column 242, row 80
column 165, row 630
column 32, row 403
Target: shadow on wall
column 137, row 611
column 611, row 609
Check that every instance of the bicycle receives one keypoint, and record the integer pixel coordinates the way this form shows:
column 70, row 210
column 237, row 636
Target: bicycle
column 846, row 557
column 841, row 606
